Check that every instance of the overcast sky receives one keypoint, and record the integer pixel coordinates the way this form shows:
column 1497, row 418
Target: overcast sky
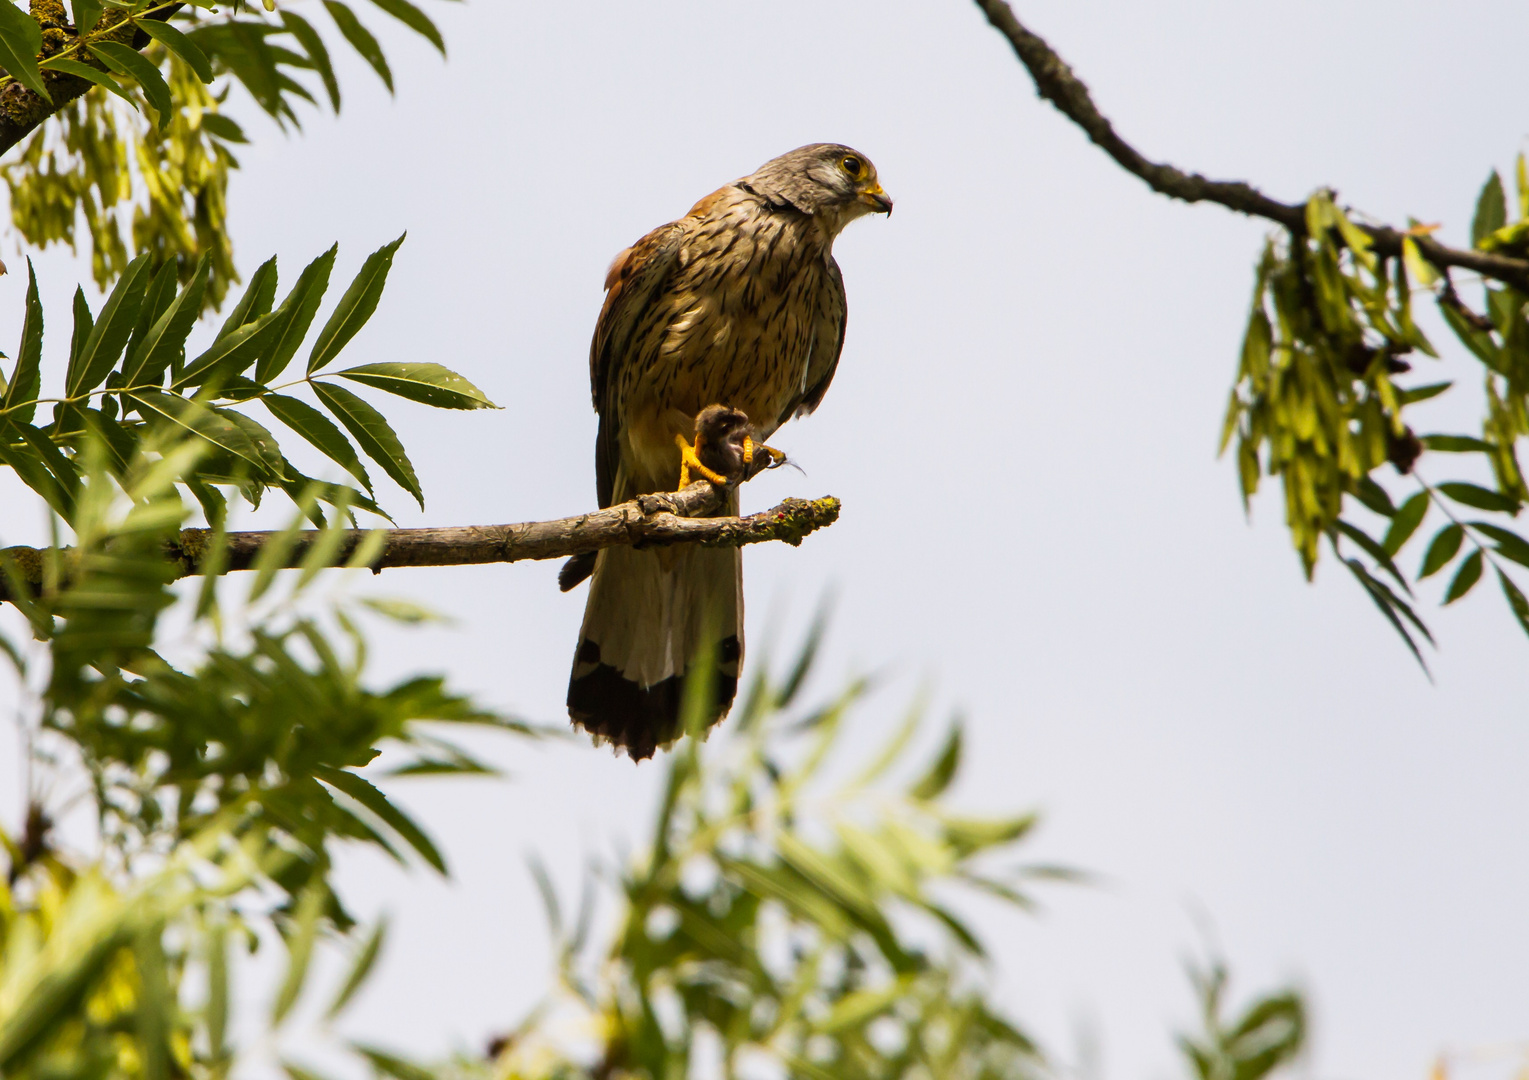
column 1023, row 433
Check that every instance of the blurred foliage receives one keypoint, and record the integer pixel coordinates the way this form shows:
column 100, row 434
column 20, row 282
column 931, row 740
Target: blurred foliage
column 143, row 158
column 221, row 786
column 1317, row 403
column 1269, row 1034
column 792, row 918
column 790, row 915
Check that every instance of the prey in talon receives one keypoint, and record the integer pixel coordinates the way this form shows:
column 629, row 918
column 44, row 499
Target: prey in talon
column 726, row 449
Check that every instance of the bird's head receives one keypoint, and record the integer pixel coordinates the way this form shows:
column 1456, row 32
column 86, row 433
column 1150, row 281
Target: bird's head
column 827, row 180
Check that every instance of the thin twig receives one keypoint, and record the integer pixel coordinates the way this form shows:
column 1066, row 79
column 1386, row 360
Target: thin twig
column 1055, row 82
column 647, row 521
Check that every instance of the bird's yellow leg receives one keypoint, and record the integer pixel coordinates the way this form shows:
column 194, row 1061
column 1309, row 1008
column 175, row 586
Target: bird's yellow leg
column 750, row 447
column 690, row 460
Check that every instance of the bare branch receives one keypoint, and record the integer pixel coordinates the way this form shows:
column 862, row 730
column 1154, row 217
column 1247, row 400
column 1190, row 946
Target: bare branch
column 647, row 521
column 1055, row 82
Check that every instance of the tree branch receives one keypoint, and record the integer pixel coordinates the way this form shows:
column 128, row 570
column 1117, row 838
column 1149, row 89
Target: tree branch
column 647, row 521
column 1055, row 82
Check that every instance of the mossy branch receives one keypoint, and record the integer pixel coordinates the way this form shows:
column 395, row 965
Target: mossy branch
column 647, row 521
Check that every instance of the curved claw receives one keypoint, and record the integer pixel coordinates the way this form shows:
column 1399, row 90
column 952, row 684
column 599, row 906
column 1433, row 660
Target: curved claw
column 750, row 448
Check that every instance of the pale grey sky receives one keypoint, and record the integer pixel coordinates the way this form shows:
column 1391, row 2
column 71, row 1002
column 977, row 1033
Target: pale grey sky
column 1041, row 348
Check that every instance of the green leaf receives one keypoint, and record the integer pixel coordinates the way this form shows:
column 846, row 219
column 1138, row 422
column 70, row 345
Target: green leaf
column 1374, row 497
column 224, row 128
column 162, row 345
column 1422, row 393
column 1509, row 543
column 325, row 549
column 1375, row 550
column 179, row 44
column 1516, row 600
column 109, row 336
column 1457, row 444
column 278, row 546
column 429, row 383
column 29, row 467
column 197, row 418
column 375, row 437
column 360, row 969
column 1418, row 268
column 83, row 324
column 1405, row 523
column 1491, row 210
column 229, row 355
column 295, row 1071
column 1389, row 605
column 217, row 990
column 1478, row 341
column 120, row 443
column 361, row 40
column 26, row 380
column 130, row 62
column 261, row 438
column 258, row 297
column 20, row 42
column 1521, row 167
column 1479, row 497
column 317, row 51
column 157, row 298
column 297, row 312
column 153, row 1001
column 407, row 612
column 372, row 545
column 240, row 45
column 356, row 306
column 391, row 1065
column 414, row 19
column 855, row 1008
column 334, row 494
column 1466, row 577
column 375, row 801
column 86, row 14
column 942, row 771
column 796, row 677
column 62, row 468
column 320, row 431
column 70, row 66
column 310, row 907
column 1445, row 543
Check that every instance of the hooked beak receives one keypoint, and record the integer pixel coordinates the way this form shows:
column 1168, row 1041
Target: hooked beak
column 878, row 200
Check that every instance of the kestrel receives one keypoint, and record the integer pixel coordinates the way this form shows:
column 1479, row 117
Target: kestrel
column 740, row 304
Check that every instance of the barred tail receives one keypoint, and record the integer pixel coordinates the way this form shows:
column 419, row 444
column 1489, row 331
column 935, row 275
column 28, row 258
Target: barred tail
column 651, row 615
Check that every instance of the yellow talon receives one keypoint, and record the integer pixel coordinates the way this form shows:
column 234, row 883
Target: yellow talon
column 690, row 459
column 750, row 448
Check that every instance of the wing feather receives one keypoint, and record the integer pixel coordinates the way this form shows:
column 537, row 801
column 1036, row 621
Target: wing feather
column 636, row 277
column 827, row 343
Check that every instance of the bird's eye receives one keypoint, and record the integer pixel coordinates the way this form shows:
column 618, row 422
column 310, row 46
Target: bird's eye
column 852, row 165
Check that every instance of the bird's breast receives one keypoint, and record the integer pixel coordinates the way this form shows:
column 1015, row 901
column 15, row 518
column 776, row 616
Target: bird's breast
column 739, row 330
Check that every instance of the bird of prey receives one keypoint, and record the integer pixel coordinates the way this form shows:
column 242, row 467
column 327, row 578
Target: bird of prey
column 739, row 304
